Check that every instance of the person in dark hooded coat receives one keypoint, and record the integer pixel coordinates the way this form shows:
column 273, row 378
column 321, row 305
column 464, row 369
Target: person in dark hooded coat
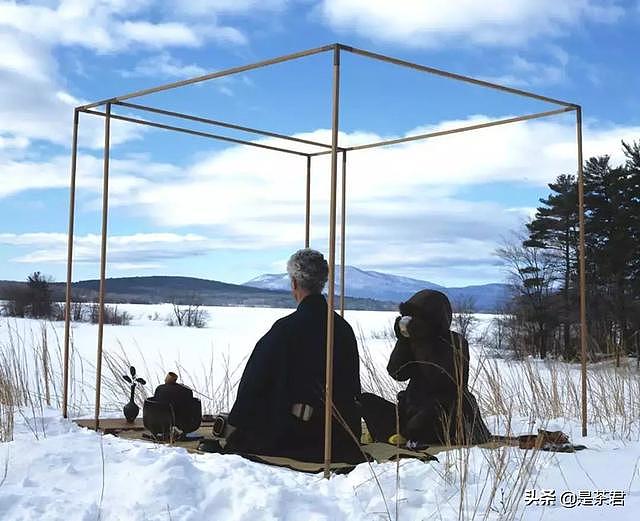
column 436, row 406
column 279, row 408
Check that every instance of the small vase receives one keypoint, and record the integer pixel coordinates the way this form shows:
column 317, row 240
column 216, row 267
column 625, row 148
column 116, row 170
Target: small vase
column 131, row 410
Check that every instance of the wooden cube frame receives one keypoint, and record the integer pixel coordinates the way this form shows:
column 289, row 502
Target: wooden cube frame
column 333, row 149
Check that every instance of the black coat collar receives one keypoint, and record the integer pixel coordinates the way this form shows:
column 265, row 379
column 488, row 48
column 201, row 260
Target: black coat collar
column 312, row 301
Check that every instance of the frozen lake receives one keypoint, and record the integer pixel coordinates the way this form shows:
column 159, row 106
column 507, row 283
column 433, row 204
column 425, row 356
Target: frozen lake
column 209, row 359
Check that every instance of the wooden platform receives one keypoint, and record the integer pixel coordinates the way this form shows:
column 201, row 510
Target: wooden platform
column 111, row 424
column 123, row 429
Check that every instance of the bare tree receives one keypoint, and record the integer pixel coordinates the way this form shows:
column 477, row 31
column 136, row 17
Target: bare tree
column 464, row 319
column 17, row 301
column 533, row 275
column 188, row 315
column 112, row 315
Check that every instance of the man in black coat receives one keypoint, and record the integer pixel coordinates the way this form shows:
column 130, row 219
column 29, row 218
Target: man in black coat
column 279, row 408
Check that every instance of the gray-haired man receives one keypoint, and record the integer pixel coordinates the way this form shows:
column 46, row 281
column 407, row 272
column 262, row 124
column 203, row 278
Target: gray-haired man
column 280, row 400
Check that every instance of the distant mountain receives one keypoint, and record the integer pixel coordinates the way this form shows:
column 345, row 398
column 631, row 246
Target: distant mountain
column 184, row 290
column 360, row 283
column 394, row 288
column 368, row 290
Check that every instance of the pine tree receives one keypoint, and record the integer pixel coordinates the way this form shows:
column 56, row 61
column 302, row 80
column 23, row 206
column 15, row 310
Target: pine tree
column 612, row 237
column 632, row 153
column 39, row 295
column 612, row 229
column 555, row 229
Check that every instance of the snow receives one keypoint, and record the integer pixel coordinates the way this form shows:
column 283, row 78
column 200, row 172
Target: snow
column 75, row 474
column 54, row 470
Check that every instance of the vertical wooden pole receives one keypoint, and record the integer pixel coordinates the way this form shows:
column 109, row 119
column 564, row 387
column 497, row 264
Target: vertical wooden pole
column 67, row 314
column 328, row 389
column 307, row 221
column 582, row 272
column 103, row 258
column 343, row 214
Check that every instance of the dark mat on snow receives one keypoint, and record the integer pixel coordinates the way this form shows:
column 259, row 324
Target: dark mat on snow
column 378, row 452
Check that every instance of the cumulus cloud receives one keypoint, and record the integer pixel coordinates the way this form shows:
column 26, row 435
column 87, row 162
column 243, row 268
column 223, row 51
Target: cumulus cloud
column 164, row 65
column 142, row 250
column 33, row 109
column 416, row 23
column 35, row 103
column 523, row 72
column 111, row 25
column 126, row 174
column 221, row 185
column 234, row 182
column 200, row 7
column 405, row 208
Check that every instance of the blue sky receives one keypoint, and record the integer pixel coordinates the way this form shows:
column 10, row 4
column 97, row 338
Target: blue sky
column 187, row 206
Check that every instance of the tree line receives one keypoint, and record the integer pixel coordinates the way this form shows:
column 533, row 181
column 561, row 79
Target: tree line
column 36, row 299
column 543, row 318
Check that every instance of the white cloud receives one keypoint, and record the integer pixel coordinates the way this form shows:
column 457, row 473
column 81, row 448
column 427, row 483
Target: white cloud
column 126, row 175
column 223, row 185
column 13, row 143
column 158, row 35
column 123, row 251
column 523, row 72
column 108, row 26
column 436, row 23
column 35, row 103
column 164, row 65
column 401, row 198
column 203, row 7
column 530, row 152
column 25, row 56
column 31, row 106
column 38, row 109
column 405, row 208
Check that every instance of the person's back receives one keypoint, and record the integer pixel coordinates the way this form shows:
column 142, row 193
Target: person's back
column 279, row 408
column 306, row 375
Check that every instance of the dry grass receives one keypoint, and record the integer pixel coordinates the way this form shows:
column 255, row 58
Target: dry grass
column 530, row 390
column 483, row 484
column 214, row 391
column 7, row 402
column 26, row 378
column 542, row 391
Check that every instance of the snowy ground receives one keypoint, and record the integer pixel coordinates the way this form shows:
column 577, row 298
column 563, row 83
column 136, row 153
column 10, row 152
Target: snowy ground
column 54, row 470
